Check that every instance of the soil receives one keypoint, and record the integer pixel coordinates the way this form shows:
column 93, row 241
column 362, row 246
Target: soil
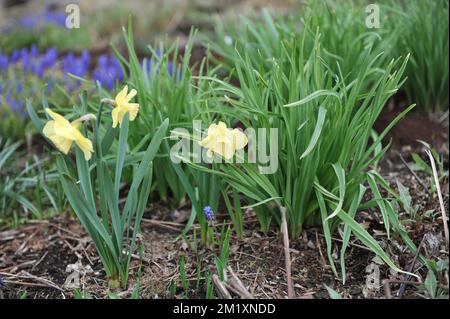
column 416, row 126
column 257, row 260
column 34, row 257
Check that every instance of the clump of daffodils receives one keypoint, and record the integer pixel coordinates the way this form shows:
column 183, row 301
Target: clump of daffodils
column 223, row 141
column 63, row 133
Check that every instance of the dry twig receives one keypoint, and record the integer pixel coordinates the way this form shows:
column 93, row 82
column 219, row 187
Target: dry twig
column 239, row 286
column 220, row 287
column 441, row 201
column 402, row 289
column 287, row 254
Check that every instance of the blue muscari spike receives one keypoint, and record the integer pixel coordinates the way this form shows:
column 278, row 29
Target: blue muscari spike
column 209, row 214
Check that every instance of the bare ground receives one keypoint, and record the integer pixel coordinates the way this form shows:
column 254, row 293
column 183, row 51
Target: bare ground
column 34, row 258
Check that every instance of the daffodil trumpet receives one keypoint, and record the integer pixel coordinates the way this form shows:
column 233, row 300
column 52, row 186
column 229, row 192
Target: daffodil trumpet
column 63, row 133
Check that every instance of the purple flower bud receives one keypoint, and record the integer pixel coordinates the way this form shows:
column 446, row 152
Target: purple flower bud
column 34, row 50
column 107, row 71
column 86, row 57
column 49, row 58
column 209, row 214
column 8, row 97
column 50, row 87
column 19, row 88
column 4, row 61
column 170, row 68
column 15, row 106
column 15, row 56
column 103, row 60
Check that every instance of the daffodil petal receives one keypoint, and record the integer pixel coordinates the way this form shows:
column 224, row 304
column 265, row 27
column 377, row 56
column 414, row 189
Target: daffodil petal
column 120, row 97
column 227, row 151
column 60, row 126
column 115, row 116
column 121, row 116
column 131, row 95
column 207, row 142
column 56, row 116
column 240, row 140
column 222, row 126
column 61, row 143
column 213, row 129
column 86, row 146
column 133, row 109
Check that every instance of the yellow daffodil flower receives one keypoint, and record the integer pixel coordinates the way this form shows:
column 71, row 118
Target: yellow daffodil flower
column 122, row 105
column 63, row 133
column 223, row 141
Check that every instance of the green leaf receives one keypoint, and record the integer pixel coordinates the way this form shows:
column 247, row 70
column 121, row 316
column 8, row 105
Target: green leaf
column 316, row 133
column 381, row 203
column 313, row 96
column 33, row 116
column 340, row 173
column 369, row 241
column 332, row 293
column 121, row 151
column 326, row 230
column 347, row 230
column 431, row 284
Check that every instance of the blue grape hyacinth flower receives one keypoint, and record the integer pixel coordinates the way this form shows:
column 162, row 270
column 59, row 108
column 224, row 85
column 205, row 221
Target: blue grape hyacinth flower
column 209, row 214
column 108, row 71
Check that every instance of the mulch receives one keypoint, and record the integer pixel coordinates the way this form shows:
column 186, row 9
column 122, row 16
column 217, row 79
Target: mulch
column 35, row 258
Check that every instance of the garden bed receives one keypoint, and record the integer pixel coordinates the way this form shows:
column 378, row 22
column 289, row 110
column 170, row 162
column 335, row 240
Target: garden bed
column 98, row 207
column 34, row 257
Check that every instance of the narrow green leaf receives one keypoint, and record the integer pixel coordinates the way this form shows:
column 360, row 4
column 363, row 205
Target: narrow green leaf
column 313, row 96
column 316, row 133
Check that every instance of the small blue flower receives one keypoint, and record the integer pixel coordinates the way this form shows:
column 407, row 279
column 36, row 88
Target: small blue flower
column 49, row 58
column 4, row 62
column 38, row 69
column 50, row 87
column 103, row 61
column 86, row 57
column 8, row 98
column 209, row 214
column 56, row 17
column 19, row 88
column 34, row 50
column 2, row 283
column 15, row 56
column 36, row 21
column 107, row 71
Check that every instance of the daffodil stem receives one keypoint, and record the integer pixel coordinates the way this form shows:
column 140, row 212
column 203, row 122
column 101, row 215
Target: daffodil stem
column 108, row 101
column 84, row 118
